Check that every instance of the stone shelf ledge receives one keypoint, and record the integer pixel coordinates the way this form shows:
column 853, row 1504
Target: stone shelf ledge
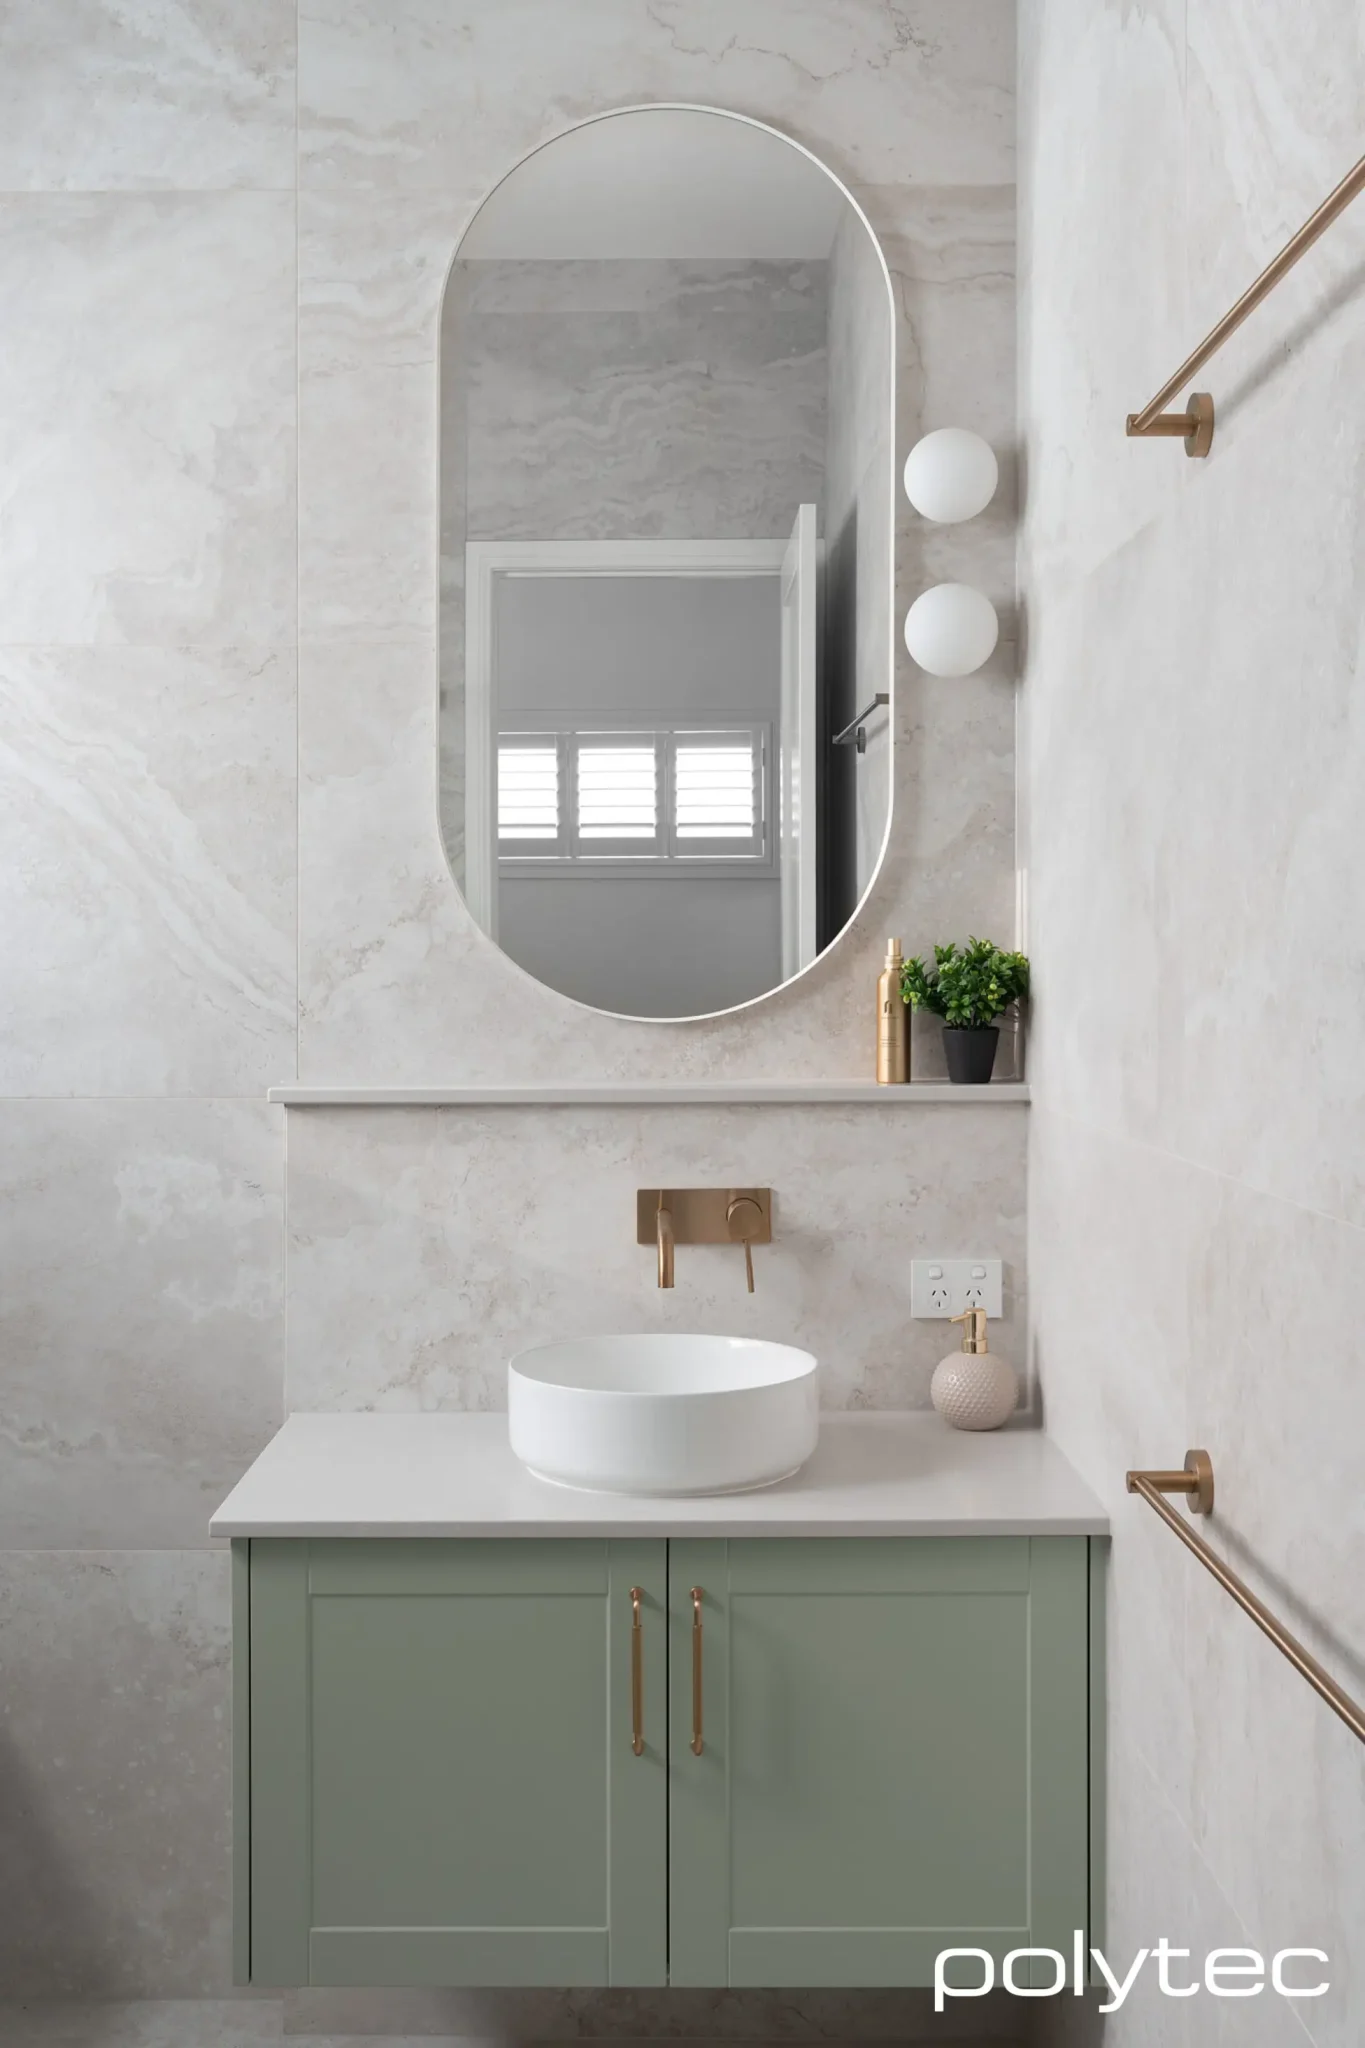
column 653, row 1094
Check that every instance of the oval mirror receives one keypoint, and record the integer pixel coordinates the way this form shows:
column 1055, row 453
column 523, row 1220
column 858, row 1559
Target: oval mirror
column 667, row 497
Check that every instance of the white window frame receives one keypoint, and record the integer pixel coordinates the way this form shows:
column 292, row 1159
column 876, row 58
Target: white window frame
column 487, row 559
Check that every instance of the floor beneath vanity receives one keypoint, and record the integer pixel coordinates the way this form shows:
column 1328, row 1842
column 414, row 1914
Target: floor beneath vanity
column 441, row 2019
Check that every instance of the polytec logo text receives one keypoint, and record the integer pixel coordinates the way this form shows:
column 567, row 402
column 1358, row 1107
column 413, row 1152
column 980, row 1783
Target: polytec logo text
column 1227, row 1973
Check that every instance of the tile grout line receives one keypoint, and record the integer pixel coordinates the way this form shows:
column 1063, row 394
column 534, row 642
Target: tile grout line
column 1111, row 1137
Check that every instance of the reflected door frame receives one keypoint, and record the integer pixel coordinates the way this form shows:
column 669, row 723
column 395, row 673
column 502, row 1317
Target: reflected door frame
column 798, row 742
column 486, row 560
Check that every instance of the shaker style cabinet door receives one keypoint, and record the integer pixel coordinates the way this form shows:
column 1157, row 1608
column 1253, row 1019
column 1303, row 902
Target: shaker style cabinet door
column 885, row 1755
column 445, row 1783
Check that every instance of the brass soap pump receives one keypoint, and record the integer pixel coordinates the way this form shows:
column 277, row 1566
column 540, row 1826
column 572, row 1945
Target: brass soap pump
column 892, row 1048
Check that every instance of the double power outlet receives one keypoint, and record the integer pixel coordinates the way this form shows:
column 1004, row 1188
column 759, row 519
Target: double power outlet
column 949, row 1287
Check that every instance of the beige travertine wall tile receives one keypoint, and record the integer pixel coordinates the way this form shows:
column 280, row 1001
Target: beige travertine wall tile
column 1194, row 765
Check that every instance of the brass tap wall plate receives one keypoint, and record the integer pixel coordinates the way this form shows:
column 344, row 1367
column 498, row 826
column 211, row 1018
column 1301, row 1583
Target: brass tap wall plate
column 700, row 1214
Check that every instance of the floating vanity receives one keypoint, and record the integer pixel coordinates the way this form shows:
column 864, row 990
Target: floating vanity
column 491, row 1731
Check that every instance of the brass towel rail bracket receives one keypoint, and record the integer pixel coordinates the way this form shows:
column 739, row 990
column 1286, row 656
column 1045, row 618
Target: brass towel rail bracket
column 853, row 734
column 1195, row 1481
column 1195, row 425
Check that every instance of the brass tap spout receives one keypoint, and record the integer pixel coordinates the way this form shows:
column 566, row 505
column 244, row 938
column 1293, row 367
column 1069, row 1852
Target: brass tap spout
column 663, row 1232
column 743, row 1217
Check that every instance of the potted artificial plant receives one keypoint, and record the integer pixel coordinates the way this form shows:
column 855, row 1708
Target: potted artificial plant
column 969, row 990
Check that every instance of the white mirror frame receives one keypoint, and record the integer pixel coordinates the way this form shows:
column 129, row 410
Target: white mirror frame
column 687, row 556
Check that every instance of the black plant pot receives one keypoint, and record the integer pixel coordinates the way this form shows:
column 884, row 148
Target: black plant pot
column 970, row 1053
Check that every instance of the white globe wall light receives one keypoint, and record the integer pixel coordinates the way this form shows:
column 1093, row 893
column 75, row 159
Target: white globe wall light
column 951, row 629
column 951, row 475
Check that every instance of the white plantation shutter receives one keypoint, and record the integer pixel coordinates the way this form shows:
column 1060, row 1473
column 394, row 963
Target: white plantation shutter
column 617, row 790
column 715, row 790
column 671, row 799
column 528, row 788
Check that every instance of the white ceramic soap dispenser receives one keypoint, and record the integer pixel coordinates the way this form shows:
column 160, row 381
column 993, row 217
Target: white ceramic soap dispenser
column 971, row 1388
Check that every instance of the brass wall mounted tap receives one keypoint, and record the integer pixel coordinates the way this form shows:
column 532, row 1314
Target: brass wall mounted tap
column 668, row 1216
column 663, row 1233
column 744, row 1219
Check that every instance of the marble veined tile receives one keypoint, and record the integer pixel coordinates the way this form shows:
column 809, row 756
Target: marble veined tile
column 119, row 95
column 114, row 1759
column 368, row 503
column 1259, row 1268
column 1104, row 306
column 140, row 1317
column 425, row 1246
column 1274, row 122
column 426, row 92
column 147, row 870
column 372, row 272
column 147, row 418
column 1204, row 966
column 1274, row 112
column 1264, row 946
column 372, row 268
column 1110, row 1258
column 691, row 400
column 1221, row 1310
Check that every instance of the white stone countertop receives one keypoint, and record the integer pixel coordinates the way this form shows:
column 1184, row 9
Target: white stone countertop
column 873, row 1474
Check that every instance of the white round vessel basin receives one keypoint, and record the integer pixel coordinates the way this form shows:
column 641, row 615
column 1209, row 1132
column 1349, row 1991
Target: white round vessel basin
column 663, row 1414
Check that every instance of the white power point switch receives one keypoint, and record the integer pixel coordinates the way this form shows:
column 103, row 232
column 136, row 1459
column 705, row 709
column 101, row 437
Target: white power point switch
column 949, row 1287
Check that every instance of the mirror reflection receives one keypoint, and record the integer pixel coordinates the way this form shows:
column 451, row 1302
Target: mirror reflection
column 666, row 562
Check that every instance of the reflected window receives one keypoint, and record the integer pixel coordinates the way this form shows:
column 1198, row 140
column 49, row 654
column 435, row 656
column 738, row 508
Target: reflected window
column 671, row 798
column 528, row 789
column 616, row 789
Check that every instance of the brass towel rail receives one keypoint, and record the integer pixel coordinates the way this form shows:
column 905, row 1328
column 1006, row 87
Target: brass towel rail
column 853, row 734
column 1195, row 424
column 1196, row 1482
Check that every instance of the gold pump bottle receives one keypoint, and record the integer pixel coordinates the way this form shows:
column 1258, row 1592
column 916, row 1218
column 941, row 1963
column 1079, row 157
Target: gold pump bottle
column 892, row 1059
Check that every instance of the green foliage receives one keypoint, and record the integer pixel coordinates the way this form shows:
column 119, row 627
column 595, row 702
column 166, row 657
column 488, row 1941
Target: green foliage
column 967, row 989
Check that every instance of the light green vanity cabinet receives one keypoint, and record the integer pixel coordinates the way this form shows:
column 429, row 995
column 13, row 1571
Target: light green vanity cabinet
column 443, row 1788
column 892, row 1750
column 894, row 1756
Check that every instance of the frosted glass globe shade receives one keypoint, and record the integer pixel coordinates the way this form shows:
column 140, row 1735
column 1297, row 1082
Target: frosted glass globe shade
column 951, row 629
column 951, row 475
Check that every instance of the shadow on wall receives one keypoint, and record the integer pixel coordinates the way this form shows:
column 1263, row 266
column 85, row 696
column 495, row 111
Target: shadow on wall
column 52, row 1939
column 1316, row 321
column 1345, row 1662
column 1067, row 2023
column 905, row 2018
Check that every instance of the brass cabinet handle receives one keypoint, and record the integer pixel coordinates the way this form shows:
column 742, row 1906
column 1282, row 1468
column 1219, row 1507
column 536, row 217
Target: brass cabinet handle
column 637, row 1673
column 696, row 1671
